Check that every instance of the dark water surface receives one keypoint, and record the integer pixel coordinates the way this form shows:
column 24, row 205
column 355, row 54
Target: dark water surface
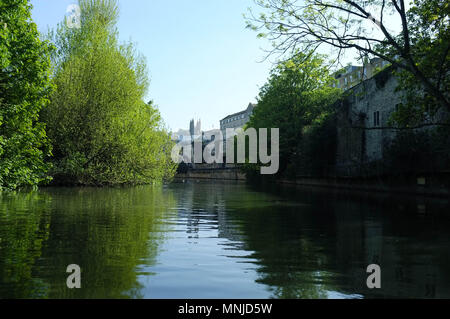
column 222, row 240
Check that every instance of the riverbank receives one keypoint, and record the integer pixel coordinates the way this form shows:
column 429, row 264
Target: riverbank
column 425, row 184
column 233, row 174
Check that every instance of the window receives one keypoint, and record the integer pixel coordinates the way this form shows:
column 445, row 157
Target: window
column 376, row 118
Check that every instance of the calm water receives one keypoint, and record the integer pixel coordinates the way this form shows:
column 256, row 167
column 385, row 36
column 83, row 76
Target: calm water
column 222, row 240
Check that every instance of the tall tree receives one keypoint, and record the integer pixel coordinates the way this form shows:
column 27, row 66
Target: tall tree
column 420, row 48
column 24, row 90
column 298, row 94
column 102, row 130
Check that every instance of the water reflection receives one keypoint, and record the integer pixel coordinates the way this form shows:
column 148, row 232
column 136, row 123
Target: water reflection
column 105, row 231
column 338, row 234
column 222, row 240
column 24, row 227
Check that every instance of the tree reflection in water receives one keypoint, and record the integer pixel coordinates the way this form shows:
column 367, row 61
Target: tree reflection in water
column 223, row 240
column 105, row 231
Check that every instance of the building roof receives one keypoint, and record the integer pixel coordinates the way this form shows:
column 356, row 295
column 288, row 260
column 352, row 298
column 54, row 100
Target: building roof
column 347, row 70
column 251, row 105
column 234, row 114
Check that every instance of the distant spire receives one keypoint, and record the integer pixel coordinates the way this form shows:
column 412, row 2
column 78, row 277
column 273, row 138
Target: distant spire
column 198, row 127
column 191, row 127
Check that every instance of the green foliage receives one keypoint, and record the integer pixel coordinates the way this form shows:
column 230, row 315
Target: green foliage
column 102, row 131
column 24, row 89
column 430, row 47
column 317, row 151
column 419, row 48
column 296, row 99
column 419, row 151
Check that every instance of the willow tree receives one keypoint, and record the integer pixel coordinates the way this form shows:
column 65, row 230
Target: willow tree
column 101, row 129
column 24, row 89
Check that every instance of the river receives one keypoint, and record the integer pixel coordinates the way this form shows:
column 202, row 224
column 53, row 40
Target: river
column 222, row 240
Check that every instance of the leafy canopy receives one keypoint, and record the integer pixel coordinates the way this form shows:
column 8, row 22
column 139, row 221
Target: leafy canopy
column 414, row 38
column 102, row 130
column 25, row 86
column 298, row 94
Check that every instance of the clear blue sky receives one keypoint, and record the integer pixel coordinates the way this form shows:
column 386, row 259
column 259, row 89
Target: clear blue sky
column 202, row 61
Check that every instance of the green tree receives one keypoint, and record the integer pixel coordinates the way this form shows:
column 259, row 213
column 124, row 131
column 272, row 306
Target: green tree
column 430, row 46
column 297, row 95
column 102, row 131
column 419, row 49
column 25, row 86
column 418, row 151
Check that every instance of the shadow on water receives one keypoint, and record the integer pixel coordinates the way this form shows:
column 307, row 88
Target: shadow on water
column 317, row 243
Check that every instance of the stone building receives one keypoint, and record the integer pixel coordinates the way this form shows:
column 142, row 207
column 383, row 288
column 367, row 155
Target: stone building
column 236, row 120
column 362, row 116
column 353, row 75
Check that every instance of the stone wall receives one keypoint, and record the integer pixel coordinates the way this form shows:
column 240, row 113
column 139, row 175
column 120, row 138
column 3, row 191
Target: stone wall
column 361, row 114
